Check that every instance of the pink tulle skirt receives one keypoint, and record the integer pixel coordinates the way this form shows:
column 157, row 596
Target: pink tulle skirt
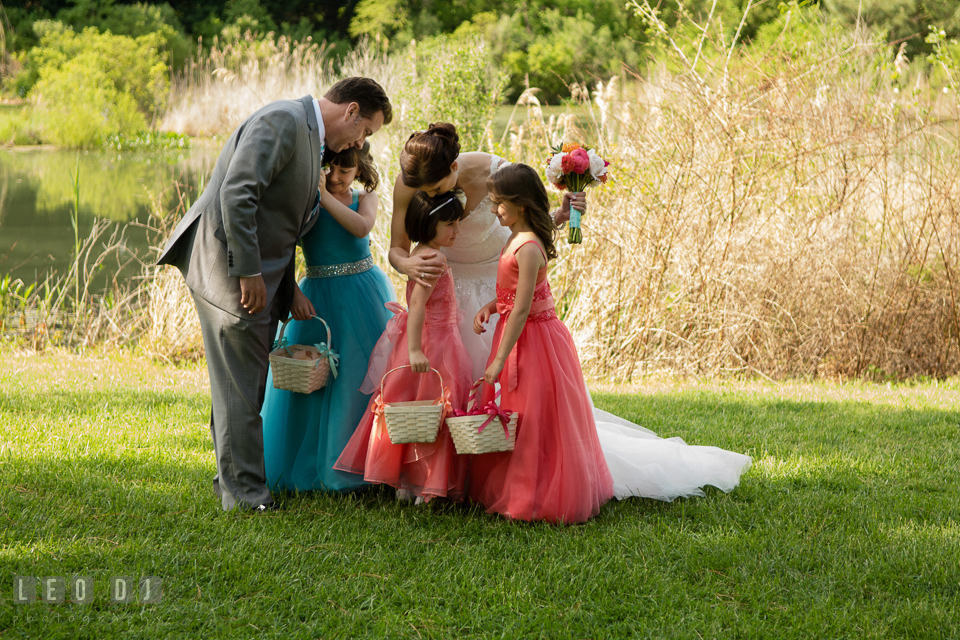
column 428, row 470
column 557, row 471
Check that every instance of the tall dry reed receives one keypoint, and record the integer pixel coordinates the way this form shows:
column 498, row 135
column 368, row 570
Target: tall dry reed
column 773, row 214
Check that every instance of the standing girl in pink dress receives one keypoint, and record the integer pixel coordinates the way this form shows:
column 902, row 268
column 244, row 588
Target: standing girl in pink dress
column 557, row 471
column 425, row 337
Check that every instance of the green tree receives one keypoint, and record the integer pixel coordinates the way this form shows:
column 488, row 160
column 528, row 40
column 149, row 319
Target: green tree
column 134, row 20
column 92, row 85
column 379, row 19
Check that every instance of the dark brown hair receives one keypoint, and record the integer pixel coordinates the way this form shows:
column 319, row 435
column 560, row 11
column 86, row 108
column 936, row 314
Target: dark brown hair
column 366, row 170
column 521, row 185
column 420, row 224
column 427, row 155
column 365, row 92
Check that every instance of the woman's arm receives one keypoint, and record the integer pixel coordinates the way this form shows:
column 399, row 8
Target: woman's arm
column 530, row 260
column 423, row 267
column 359, row 222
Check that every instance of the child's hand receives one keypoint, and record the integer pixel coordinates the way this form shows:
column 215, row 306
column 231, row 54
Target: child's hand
column 302, row 308
column 419, row 362
column 482, row 317
column 322, row 185
column 493, row 372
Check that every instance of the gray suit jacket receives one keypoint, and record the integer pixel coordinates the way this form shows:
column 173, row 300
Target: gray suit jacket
column 254, row 208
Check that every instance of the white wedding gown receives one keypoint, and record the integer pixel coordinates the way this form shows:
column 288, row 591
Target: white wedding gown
column 641, row 463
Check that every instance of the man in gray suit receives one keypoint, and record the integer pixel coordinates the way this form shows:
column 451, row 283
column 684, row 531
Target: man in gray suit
column 236, row 249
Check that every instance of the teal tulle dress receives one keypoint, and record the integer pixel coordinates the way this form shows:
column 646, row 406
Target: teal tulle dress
column 303, row 434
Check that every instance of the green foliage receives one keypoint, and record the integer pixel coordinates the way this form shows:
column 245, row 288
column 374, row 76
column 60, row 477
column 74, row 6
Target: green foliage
column 379, row 19
column 18, row 30
column 241, row 16
column 15, row 126
column 146, row 141
column 795, row 31
column 132, row 20
column 92, row 85
column 945, row 57
column 560, row 49
column 902, row 20
column 307, row 28
column 461, row 88
column 551, row 43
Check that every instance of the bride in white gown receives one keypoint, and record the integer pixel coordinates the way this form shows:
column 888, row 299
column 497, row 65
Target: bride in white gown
column 641, row 463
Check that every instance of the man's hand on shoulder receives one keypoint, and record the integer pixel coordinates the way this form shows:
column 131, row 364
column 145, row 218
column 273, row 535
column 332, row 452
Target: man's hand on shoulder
column 253, row 294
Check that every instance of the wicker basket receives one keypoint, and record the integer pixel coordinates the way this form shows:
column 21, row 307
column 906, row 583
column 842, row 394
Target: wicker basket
column 414, row 421
column 481, row 432
column 301, row 376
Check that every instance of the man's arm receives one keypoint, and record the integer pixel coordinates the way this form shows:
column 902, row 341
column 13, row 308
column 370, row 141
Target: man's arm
column 263, row 149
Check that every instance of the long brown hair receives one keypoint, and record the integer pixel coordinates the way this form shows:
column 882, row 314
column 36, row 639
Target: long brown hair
column 427, row 155
column 521, row 185
column 366, row 170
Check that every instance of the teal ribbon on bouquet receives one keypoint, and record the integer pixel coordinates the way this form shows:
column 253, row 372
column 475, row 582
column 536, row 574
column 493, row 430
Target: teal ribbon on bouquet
column 575, row 235
column 332, row 357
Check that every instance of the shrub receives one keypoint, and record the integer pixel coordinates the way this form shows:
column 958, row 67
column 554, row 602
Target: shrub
column 449, row 80
column 134, row 20
column 92, row 85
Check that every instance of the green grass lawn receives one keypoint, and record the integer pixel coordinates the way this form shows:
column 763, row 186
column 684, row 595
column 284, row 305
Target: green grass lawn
column 845, row 527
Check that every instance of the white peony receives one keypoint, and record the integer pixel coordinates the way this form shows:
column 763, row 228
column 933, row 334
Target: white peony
column 554, row 169
column 597, row 165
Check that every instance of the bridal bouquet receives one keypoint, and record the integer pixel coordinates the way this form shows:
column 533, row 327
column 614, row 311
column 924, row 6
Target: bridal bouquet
column 571, row 167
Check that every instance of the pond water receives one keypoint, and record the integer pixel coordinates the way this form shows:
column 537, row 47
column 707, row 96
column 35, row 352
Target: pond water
column 37, row 202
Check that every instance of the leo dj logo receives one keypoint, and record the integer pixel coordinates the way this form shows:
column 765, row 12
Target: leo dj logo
column 80, row 590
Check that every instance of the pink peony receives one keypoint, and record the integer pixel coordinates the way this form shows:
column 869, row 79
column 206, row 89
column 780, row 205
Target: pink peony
column 581, row 159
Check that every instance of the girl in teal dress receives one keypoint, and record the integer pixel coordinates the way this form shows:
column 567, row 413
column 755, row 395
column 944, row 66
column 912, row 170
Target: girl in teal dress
column 303, row 434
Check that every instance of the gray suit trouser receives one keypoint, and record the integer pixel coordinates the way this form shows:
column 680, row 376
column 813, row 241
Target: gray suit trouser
column 237, row 352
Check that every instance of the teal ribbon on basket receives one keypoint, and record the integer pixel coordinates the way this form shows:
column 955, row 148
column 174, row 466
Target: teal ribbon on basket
column 282, row 344
column 332, row 357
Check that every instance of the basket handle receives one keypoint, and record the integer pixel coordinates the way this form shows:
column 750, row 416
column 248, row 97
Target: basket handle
column 474, row 394
column 283, row 327
column 407, row 366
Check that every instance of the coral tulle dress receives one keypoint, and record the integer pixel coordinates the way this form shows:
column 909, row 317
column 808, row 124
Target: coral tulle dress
column 557, row 471
column 428, row 470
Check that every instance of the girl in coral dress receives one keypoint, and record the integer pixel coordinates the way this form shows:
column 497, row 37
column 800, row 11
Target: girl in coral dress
column 557, row 471
column 425, row 337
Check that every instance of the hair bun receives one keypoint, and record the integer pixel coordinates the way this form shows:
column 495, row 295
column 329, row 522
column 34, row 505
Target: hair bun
column 444, row 130
column 428, row 156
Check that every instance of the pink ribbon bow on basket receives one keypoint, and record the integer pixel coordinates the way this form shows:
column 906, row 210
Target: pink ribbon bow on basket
column 379, row 407
column 447, row 403
column 491, row 409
